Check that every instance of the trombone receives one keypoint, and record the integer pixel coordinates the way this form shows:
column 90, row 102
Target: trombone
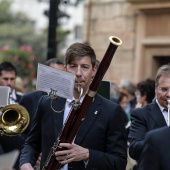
column 14, row 119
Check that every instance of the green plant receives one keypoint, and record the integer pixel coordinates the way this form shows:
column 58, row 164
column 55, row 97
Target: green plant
column 22, row 58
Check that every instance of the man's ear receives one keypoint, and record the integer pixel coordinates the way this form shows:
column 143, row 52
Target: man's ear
column 94, row 71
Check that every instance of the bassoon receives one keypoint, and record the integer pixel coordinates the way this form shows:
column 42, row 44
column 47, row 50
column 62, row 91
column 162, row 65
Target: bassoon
column 76, row 115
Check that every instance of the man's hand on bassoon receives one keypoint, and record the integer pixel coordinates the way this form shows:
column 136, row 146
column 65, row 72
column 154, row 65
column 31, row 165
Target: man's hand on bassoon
column 73, row 153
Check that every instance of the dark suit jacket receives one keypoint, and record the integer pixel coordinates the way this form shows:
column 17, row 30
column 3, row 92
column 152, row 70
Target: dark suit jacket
column 156, row 151
column 18, row 98
column 9, row 144
column 30, row 102
column 103, row 133
column 143, row 120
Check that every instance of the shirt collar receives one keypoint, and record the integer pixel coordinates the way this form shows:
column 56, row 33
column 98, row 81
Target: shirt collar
column 13, row 95
column 161, row 108
column 70, row 100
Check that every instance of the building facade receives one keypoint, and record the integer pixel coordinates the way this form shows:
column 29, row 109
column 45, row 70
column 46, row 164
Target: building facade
column 143, row 26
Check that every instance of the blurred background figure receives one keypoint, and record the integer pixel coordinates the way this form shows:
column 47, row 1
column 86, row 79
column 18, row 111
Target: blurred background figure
column 127, row 87
column 8, row 74
column 55, row 63
column 123, row 102
column 114, row 92
column 19, row 86
column 145, row 92
column 97, row 64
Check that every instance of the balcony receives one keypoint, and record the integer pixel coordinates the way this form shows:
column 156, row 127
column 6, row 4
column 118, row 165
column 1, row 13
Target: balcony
column 151, row 5
column 146, row 1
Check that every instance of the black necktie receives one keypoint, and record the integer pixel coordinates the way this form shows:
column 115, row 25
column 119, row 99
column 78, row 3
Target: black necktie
column 165, row 110
column 72, row 103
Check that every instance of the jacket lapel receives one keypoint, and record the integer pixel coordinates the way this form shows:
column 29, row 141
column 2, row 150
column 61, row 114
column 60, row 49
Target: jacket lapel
column 156, row 114
column 90, row 117
column 58, row 105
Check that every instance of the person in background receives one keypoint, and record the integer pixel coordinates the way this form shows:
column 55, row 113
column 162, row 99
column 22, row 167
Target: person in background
column 123, row 101
column 8, row 74
column 145, row 92
column 107, row 149
column 156, row 152
column 114, row 92
column 30, row 100
column 19, row 86
column 152, row 116
column 97, row 64
column 55, row 63
column 129, row 89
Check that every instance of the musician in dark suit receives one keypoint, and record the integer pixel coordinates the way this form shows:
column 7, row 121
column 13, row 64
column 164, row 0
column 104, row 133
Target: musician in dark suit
column 151, row 116
column 8, row 76
column 30, row 100
column 156, row 152
column 100, row 143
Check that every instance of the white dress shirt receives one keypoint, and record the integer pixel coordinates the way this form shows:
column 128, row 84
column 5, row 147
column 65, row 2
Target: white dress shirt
column 67, row 109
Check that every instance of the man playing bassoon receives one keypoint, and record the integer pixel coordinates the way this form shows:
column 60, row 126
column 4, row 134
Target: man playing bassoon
column 100, row 142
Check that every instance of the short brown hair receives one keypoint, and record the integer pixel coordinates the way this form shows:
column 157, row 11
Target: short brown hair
column 162, row 71
column 7, row 66
column 54, row 61
column 78, row 50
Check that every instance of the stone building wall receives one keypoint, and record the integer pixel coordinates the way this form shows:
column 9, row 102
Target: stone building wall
column 104, row 18
column 142, row 25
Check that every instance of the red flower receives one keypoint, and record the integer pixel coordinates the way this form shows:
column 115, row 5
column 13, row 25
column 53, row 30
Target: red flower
column 23, row 63
column 32, row 57
column 26, row 47
column 30, row 65
column 16, row 58
column 33, row 74
column 5, row 48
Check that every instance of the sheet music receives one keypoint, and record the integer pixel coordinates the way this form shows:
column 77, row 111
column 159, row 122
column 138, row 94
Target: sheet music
column 8, row 160
column 4, row 95
column 49, row 78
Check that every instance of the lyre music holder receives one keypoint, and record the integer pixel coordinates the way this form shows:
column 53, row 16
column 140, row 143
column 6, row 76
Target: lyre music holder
column 53, row 95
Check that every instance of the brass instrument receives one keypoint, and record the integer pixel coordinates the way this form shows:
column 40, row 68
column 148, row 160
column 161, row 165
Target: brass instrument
column 14, row 119
column 168, row 112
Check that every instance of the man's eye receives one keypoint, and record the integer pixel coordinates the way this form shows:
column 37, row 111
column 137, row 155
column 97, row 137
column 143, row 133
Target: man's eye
column 72, row 66
column 85, row 67
column 6, row 79
column 164, row 89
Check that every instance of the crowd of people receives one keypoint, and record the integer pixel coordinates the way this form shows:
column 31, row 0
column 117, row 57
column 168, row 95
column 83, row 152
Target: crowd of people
column 131, row 125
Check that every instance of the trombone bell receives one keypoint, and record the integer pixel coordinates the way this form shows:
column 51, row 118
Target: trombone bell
column 14, row 119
